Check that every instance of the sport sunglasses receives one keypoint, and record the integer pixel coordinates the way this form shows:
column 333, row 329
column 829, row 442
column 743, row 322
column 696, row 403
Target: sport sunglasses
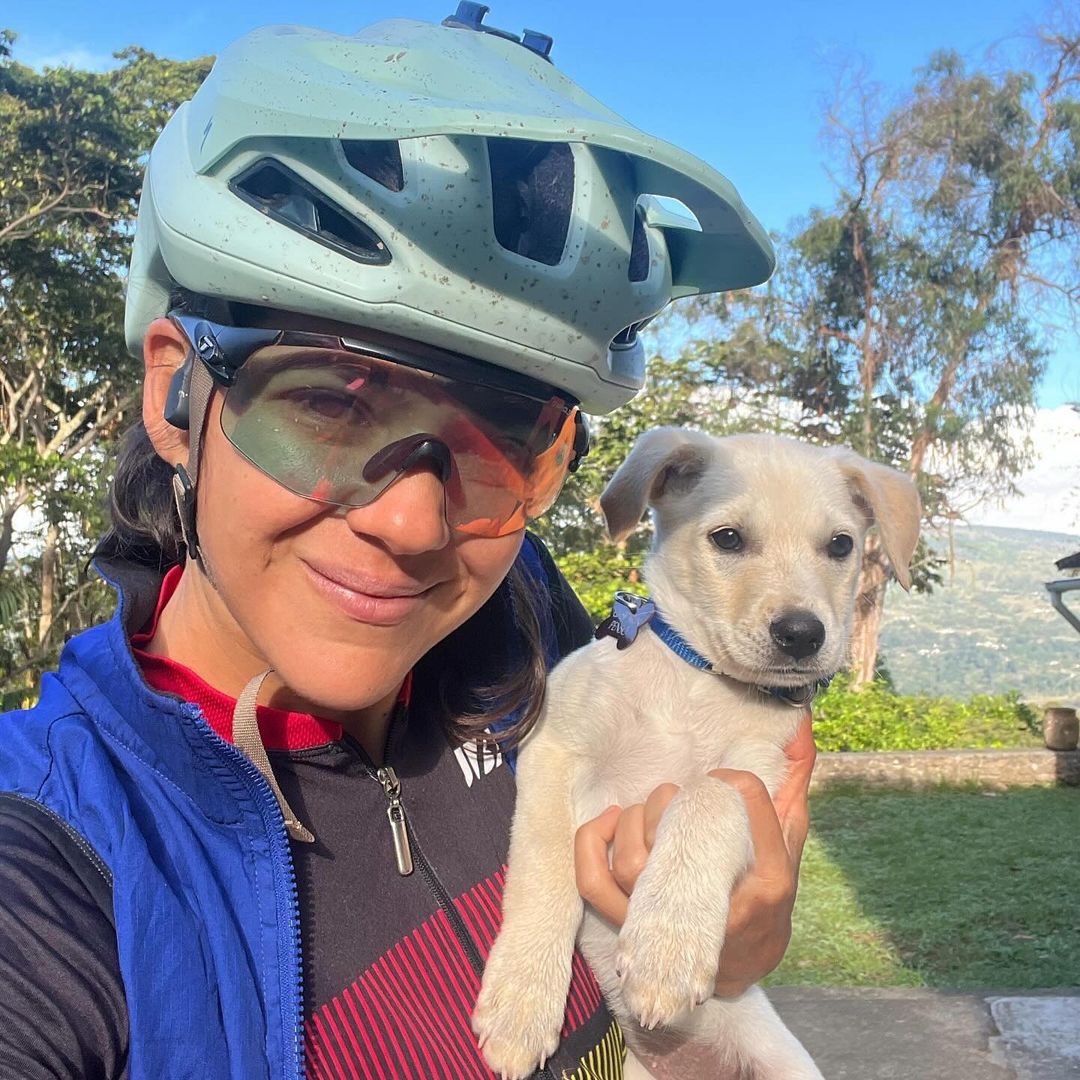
column 339, row 419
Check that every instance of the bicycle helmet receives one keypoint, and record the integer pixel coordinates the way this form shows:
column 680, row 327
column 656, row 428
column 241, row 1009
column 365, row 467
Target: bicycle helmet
column 446, row 184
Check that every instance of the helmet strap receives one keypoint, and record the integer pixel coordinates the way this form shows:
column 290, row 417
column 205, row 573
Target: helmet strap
column 185, row 479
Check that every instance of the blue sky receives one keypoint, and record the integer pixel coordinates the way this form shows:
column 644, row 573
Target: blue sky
column 741, row 85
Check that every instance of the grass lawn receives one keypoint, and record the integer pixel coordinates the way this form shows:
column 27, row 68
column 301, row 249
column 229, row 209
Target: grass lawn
column 952, row 887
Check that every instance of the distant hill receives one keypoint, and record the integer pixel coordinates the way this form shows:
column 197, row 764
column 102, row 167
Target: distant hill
column 991, row 628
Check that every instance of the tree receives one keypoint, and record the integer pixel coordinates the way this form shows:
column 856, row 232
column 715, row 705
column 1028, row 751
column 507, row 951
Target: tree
column 73, row 143
column 904, row 319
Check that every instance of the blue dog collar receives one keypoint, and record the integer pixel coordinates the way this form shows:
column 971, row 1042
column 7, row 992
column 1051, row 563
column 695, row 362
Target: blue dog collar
column 629, row 613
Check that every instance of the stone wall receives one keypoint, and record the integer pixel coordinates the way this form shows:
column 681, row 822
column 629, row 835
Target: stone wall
column 923, row 768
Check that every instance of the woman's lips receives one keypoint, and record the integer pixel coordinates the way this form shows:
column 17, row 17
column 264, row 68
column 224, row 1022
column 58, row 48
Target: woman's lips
column 368, row 600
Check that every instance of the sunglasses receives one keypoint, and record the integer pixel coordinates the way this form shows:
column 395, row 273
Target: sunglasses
column 339, row 419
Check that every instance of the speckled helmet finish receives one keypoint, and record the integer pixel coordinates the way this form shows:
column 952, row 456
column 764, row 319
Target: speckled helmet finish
column 299, row 98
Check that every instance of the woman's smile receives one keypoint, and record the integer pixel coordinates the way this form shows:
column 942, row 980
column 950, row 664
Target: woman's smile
column 368, row 598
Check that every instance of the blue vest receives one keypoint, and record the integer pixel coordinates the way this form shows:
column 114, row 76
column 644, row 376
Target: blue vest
column 196, row 848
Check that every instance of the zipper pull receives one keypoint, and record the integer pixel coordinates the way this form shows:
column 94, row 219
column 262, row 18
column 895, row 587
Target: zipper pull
column 395, row 813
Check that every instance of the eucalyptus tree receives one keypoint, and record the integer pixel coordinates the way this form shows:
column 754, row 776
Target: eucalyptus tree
column 907, row 319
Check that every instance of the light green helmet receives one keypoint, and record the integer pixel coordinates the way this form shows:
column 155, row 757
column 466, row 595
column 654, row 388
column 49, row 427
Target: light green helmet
column 443, row 183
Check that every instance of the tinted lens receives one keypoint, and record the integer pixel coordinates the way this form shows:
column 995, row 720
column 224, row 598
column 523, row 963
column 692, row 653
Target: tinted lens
column 315, row 420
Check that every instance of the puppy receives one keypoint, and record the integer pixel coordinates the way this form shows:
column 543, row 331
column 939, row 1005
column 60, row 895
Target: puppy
column 754, row 568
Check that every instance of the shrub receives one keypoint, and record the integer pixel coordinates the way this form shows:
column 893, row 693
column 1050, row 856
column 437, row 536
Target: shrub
column 876, row 718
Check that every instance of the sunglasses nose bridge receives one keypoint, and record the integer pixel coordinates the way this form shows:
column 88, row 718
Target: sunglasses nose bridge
column 405, row 454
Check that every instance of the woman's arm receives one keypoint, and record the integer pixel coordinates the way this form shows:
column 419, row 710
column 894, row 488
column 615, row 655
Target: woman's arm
column 62, row 1007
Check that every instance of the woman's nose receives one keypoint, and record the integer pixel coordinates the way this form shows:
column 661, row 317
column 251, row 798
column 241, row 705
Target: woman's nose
column 409, row 517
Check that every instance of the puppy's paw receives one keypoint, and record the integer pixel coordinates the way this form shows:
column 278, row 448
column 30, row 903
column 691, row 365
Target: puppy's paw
column 517, row 1028
column 664, row 971
column 517, row 1018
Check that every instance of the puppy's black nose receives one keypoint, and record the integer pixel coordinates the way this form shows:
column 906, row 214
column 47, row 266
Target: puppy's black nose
column 798, row 633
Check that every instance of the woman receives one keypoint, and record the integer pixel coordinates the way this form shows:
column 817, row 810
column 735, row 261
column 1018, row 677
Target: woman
column 256, row 823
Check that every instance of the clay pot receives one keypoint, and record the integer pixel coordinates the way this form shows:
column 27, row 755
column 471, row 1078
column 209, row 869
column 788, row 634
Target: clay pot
column 1061, row 729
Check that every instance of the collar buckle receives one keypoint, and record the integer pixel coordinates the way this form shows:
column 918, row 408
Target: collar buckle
column 629, row 613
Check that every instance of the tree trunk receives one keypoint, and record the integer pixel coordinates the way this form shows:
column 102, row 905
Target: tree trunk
column 869, row 608
column 50, row 566
column 9, row 506
column 7, row 535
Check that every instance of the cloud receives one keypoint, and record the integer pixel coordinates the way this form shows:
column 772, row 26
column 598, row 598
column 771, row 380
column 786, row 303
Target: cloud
column 74, row 56
column 1049, row 499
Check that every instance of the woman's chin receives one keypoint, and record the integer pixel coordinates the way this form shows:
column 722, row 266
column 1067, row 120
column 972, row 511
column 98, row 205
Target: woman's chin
column 333, row 696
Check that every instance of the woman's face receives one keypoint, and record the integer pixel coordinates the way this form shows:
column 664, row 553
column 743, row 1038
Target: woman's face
column 341, row 603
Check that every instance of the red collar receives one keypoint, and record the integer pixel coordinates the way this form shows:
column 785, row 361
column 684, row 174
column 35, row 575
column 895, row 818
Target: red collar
column 280, row 729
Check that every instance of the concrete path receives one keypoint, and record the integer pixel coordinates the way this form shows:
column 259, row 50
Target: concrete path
column 867, row 1034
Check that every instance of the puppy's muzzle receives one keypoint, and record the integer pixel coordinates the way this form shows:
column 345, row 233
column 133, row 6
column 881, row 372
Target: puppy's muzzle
column 799, row 634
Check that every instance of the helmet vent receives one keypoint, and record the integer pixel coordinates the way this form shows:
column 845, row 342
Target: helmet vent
column 282, row 195
column 627, row 337
column 379, row 159
column 639, row 248
column 532, row 192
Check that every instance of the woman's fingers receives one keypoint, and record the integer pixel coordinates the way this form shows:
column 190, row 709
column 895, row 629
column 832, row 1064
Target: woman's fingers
column 595, row 881
column 793, row 799
column 658, row 801
column 635, row 835
column 611, row 851
column 759, row 920
column 628, row 850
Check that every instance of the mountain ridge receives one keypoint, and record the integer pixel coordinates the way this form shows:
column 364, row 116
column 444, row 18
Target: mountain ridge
column 990, row 629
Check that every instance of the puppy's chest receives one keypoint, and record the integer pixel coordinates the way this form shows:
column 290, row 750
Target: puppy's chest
column 679, row 738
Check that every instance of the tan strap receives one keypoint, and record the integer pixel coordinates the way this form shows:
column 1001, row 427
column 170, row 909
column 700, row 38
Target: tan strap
column 247, row 739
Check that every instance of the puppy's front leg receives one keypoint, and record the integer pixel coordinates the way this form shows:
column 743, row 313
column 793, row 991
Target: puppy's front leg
column 519, row 1013
column 669, row 946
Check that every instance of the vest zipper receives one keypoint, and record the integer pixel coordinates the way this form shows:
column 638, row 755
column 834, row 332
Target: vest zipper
column 288, row 905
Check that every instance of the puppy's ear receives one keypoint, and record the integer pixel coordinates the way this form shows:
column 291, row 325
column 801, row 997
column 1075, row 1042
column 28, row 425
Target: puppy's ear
column 663, row 461
column 893, row 503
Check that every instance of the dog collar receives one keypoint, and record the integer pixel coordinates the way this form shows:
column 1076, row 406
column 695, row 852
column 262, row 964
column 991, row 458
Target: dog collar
column 630, row 613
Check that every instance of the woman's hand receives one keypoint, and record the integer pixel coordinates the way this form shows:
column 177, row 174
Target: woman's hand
column 759, row 921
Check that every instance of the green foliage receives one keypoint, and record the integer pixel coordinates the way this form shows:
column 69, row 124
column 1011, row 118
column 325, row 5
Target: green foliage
column 598, row 575
column 73, row 145
column 874, row 717
column 12, row 600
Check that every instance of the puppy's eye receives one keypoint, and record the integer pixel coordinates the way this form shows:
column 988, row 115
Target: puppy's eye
column 727, row 539
column 840, row 546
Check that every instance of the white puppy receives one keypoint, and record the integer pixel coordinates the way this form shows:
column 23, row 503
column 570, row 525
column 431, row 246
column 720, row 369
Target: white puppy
column 754, row 568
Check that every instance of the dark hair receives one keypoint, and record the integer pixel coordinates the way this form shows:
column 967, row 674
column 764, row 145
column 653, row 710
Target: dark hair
column 474, row 680
column 145, row 527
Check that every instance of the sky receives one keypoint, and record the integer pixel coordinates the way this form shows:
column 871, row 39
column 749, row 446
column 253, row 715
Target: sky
column 741, row 85
column 1047, row 498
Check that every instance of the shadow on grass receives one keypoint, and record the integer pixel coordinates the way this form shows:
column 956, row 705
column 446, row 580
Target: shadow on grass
column 948, row 887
